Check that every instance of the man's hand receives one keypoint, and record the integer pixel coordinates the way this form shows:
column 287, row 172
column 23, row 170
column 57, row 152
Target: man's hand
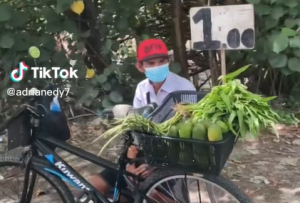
column 143, row 170
column 132, row 152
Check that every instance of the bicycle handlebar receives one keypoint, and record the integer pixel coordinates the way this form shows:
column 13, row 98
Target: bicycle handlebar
column 145, row 110
column 122, row 110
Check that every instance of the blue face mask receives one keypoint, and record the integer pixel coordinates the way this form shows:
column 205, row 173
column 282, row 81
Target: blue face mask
column 157, row 74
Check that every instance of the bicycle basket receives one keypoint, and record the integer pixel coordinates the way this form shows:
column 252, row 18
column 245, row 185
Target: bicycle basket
column 165, row 110
column 18, row 131
column 203, row 156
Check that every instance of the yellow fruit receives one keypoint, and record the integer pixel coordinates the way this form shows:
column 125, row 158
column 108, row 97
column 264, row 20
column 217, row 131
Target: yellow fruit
column 90, row 73
column 214, row 133
column 77, row 7
column 223, row 126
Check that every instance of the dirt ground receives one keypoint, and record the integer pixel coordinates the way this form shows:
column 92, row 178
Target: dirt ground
column 267, row 169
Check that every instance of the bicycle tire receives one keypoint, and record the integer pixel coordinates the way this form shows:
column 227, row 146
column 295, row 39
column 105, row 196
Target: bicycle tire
column 161, row 174
column 10, row 160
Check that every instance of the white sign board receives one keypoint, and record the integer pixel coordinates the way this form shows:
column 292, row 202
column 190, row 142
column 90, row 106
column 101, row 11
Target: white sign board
column 222, row 27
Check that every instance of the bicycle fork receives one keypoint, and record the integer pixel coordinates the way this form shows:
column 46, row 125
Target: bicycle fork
column 28, row 192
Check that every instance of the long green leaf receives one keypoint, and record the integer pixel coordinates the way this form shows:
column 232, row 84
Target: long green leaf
column 233, row 75
column 266, row 99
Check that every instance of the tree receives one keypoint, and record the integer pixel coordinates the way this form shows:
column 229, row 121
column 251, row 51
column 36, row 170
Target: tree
column 100, row 38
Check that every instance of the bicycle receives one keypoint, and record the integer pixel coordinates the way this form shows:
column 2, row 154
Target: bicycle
column 34, row 151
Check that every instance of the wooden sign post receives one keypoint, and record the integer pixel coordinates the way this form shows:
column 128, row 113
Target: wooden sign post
column 222, row 28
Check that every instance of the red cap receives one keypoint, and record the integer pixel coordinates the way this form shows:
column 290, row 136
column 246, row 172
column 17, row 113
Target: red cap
column 151, row 48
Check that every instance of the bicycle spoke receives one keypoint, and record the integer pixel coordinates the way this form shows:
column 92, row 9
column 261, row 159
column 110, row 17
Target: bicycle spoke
column 188, row 189
column 168, row 192
column 187, row 198
column 198, row 186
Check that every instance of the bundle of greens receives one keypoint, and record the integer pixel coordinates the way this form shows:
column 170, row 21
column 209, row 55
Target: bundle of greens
column 133, row 123
column 243, row 111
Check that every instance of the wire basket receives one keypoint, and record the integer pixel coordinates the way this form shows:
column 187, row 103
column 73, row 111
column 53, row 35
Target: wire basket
column 165, row 110
column 203, row 156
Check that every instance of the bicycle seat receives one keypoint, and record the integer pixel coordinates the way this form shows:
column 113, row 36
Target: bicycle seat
column 123, row 110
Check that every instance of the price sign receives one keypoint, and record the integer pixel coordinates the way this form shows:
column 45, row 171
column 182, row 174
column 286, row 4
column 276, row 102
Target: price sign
column 222, row 27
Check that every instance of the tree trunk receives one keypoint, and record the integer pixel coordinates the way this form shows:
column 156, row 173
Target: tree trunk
column 179, row 49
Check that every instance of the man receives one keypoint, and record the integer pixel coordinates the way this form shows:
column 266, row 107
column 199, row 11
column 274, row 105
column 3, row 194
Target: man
column 153, row 60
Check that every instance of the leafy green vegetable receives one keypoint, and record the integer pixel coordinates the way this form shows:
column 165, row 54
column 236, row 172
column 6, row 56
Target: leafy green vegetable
column 234, row 104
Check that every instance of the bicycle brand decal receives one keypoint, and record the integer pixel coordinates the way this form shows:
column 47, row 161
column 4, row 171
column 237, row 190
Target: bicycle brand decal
column 66, row 172
column 64, row 178
column 116, row 194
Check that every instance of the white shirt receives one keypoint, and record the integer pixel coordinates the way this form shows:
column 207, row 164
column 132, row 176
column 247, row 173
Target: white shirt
column 172, row 83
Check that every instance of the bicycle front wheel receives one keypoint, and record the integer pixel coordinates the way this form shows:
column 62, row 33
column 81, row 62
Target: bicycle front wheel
column 11, row 189
column 176, row 186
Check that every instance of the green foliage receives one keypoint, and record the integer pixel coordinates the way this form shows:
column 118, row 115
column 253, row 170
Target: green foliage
column 49, row 24
column 33, row 23
column 288, row 118
column 278, row 35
